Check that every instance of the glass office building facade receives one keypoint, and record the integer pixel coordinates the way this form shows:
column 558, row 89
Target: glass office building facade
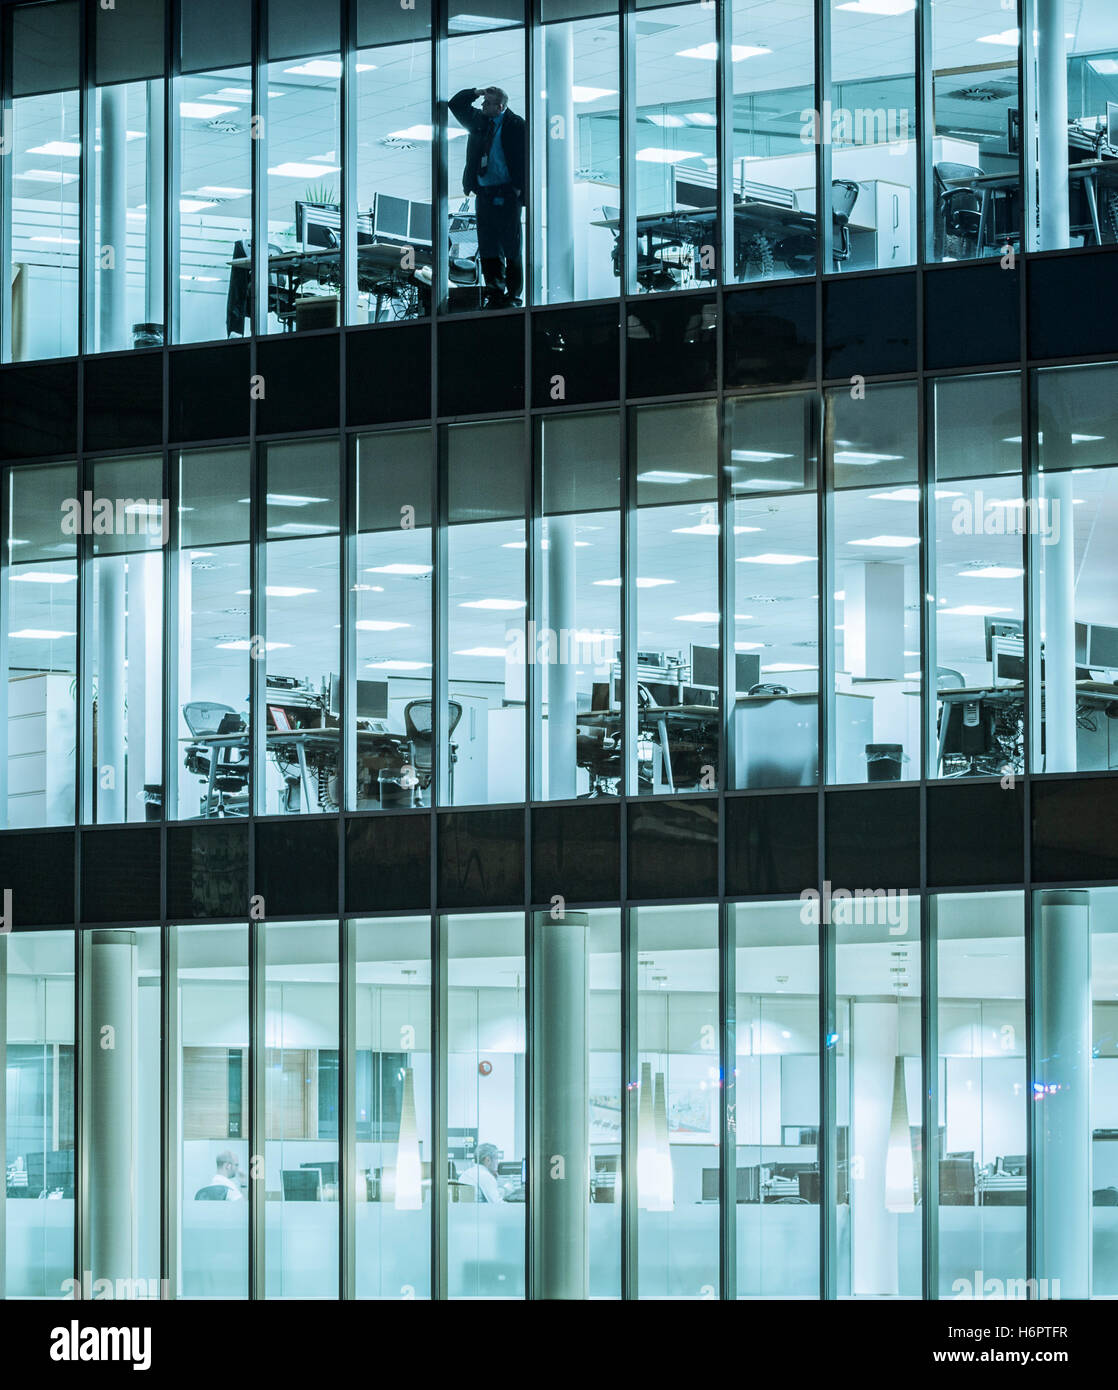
column 459, row 753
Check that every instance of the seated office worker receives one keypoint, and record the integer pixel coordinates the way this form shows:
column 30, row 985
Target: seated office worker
column 482, row 1174
column 496, row 156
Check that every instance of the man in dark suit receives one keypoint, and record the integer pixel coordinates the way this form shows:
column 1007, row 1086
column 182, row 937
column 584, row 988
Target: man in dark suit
column 495, row 173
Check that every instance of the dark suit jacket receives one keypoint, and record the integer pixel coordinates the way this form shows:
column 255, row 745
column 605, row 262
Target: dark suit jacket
column 513, row 141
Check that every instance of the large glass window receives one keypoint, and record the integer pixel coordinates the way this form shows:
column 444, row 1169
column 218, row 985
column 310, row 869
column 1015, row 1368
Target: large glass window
column 974, row 193
column 482, row 736
column 395, row 1180
column 211, row 719
column 1075, row 630
column 301, row 1099
column 978, row 519
column 120, row 1108
column 37, row 1093
column 776, row 1101
column 211, row 1013
column 392, row 605
column 40, row 569
column 395, row 236
column 675, row 1101
column 676, row 664
column 301, row 629
column 983, row 1090
column 124, row 665
column 879, row 1087
column 577, row 151
column 41, row 197
column 870, row 125
column 875, row 578
column 486, row 1123
column 576, row 652
column 774, row 139
column 672, row 243
column 774, row 590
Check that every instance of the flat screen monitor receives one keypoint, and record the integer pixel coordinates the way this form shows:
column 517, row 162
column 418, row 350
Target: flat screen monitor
column 302, row 1185
column 599, row 697
column 390, row 217
column 1102, row 647
column 318, row 226
column 1112, row 124
column 704, row 667
column 419, row 224
column 372, row 699
column 1002, row 629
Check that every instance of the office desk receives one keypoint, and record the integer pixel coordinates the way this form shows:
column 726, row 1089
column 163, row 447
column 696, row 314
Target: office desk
column 378, row 273
column 1098, row 697
column 1092, row 174
column 699, row 724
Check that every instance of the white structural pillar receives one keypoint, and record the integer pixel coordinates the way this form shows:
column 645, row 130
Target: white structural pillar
column 1052, row 124
column 1063, row 1050
column 111, row 689
column 110, row 1066
column 112, row 248
column 873, row 1053
column 561, row 139
column 155, row 226
column 561, row 1191
column 1057, row 557
column 563, row 652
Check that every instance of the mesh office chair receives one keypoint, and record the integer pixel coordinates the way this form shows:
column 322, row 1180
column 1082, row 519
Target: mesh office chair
column 230, row 773
column 214, row 1192
column 958, row 212
column 844, row 194
column 418, row 716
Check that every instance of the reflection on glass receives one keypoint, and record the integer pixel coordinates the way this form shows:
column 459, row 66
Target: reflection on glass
column 392, row 605
column 301, row 1100
column 976, row 609
column 674, row 148
column 578, row 628
column 974, row 192
column 125, row 593
column 37, row 999
column 983, row 1090
column 875, row 578
column 211, row 1021
column 677, row 656
column 878, row 1093
column 1075, row 491
column 774, row 590
column 302, row 691
column 215, row 648
column 777, row 1101
column 577, row 151
column 675, row 1101
column 37, row 769
column 486, row 1124
column 41, row 195
column 392, row 1108
column 120, row 1108
column 482, row 733
column 870, row 123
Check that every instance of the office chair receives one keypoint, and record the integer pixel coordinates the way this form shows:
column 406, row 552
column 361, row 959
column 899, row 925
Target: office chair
column 958, row 213
column 417, row 723
column 948, row 679
column 238, row 300
column 214, row 1192
column 598, row 750
column 844, row 194
column 232, row 766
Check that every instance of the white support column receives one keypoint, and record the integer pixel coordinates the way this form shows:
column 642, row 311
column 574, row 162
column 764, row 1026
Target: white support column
column 1057, row 558
column 561, row 1191
column 156, row 216
column 111, row 252
column 1063, row 1049
column 111, row 1073
column 560, row 144
column 1052, row 124
column 111, row 689
column 562, row 681
column 873, row 1054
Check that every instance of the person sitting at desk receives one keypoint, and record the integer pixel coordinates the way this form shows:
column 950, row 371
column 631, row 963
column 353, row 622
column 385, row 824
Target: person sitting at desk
column 482, row 1174
column 228, row 1170
column 495, row 174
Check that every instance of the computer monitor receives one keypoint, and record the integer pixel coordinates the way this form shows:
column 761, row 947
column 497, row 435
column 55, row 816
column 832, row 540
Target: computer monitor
column 705, row 667
column 318, row 226
column 419, row 224
column 1102, row 647
column 1000, row 629
column 327, row 1168
column 1112, row 124
column 372, row 699
column 599, row 697
column 390, row 217
column 302, row 1185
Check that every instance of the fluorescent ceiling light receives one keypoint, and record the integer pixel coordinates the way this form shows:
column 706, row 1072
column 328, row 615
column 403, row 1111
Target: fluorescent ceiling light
column 194, row 204
column 70, row 149
column 498, row 605
column 43, row 577
column 763, row 485
column 1087, row 438
column 58, row 240
column 422, row 132
column 667, row 475
column 1008, row 38
column 523, row 545
column 641, row 583
column 399, row 568
column 287, row 499
column 298, row 170
column 203, row 110
column 696, row 618
column 46, row 176
column 378, row 625
column 325, row 67
column 281, row 591
column 912, row 675
column 591, row 93
column 887, row 542
column 242, row 644
column 710, row 528
column 755, row 456
column 993, row 572
column 908, row 494
column 974, row 610
column 775, row 558
column 42, row 634
column 748, row 646
column 881, row 7
column 702, row 118
column 394, row 665
column 858, row 459
column 217, row 190
column 302, row 528
column 668, row 121
column 483, row 651
column 656, row 156
column 738, row 51
column 789, row 666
